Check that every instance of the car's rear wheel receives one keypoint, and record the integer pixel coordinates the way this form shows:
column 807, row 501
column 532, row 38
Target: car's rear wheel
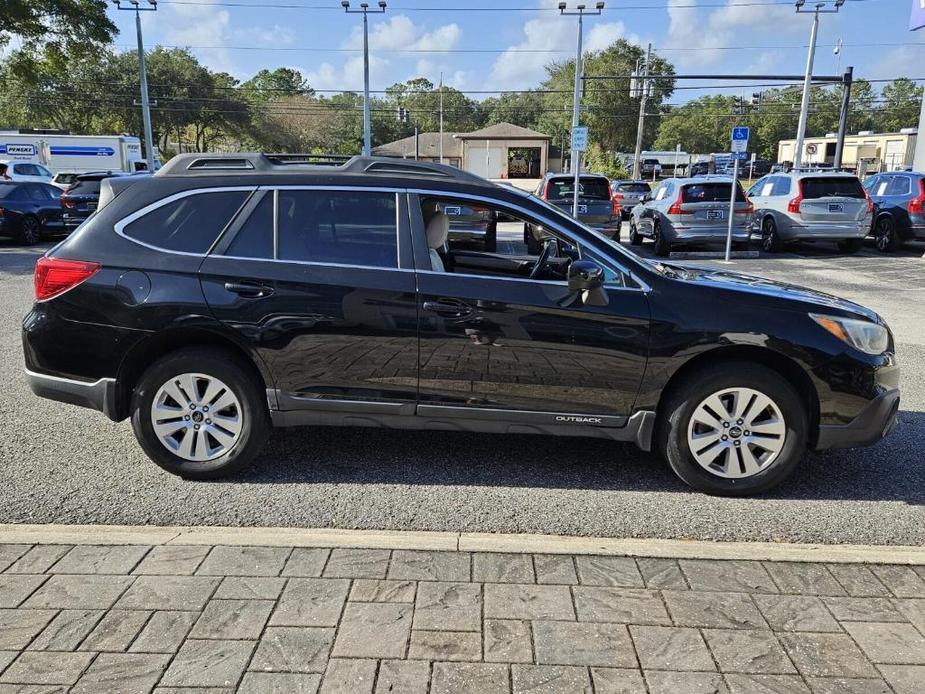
column 635, row 236
column 200, row 414
column 662, row 245
column 885, row 235
column 770, row 241
column 850, row 245
column 733, row 429
column 30, row 230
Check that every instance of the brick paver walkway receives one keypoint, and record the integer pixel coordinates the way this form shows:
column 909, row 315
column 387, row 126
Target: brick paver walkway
column 106, row 619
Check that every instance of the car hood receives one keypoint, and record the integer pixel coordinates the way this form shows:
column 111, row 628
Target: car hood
column 759, row 286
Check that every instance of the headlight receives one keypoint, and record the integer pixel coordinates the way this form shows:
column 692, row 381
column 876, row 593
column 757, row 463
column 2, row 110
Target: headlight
column 870, row 338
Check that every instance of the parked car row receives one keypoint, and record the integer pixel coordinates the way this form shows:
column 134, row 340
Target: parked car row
column 781, row 208
column 30, row 208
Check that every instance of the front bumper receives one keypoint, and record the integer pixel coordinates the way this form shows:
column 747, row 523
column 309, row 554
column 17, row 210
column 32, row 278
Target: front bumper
column 97, row 395
column 873, row 423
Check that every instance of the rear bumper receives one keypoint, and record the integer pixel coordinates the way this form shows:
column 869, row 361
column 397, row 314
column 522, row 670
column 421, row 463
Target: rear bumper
column 873, row 423
column 693, row 234
column 97, row 395
column 855, row 230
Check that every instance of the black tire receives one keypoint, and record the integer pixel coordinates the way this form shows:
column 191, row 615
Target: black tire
column 886, row 236
column 850, row 245
column 675, row 415
column 30, row 230
column 635, row 236
column 770, row 241
column 662, row 246
column 235, row 374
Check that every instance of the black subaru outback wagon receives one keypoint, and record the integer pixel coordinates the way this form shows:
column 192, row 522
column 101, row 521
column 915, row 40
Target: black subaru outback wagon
column 229, row 293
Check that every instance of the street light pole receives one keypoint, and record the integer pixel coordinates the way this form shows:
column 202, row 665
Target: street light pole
column 364, row 8
column 817, row 9
column 640, row 127
column 580, row 11
column 145, row 103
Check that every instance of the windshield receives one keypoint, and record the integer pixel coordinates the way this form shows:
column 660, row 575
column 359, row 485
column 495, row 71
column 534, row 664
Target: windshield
column 592, row 188
column 710, row 192
column 834, row 187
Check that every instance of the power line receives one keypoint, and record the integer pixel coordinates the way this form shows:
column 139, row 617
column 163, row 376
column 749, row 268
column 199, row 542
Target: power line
column 483, row 8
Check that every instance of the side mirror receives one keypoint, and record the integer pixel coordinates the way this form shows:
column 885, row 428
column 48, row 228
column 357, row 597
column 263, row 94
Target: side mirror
column 585, row 275
column 587, row 278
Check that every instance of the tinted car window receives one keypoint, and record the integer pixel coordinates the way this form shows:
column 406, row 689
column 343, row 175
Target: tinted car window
column 710, row 192
column 781, row 186
column 255, row 238
column 9, row 191
column 899, row 186
column 190, row 224
column 634, row 187
column 85, row 187
column 593, row 188
column 841, row 187
column 36, row 193
column 348, row 227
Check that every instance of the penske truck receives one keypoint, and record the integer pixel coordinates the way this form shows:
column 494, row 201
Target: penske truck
column 74, row 153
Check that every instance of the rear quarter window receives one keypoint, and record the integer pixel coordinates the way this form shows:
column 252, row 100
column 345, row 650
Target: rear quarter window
column 190, row 224
column 834, row 187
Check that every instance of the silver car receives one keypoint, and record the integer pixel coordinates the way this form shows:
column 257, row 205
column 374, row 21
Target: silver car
column 811, row 206
column 687, row 211
column 629, row 194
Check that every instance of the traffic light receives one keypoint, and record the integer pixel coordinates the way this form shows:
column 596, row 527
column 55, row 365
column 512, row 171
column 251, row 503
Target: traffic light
column 738, row 105
column 756, row 99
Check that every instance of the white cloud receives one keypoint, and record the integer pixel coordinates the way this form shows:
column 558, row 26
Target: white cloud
column 519, row 68
column 902, row 61
column 349, row 76
column 400, row 33
column 727, row 27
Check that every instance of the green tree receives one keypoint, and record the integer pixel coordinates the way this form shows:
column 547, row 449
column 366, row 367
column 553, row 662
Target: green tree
column 700, row 126
column 57, row 23
column 422, row 100
column 902, row 103
column 603, row 162
column 610, row 112
column 520, row 108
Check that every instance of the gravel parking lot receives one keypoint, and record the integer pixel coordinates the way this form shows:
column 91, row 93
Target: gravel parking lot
column 61, row 464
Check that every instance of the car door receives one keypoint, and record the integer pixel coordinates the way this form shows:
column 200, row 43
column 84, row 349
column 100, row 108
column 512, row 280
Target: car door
column 648, row 211
column 525, row 350
column 895, row 198
column 318, row 282
column 50, row 210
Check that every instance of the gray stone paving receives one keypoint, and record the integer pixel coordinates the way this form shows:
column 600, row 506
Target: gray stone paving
column 259, row 620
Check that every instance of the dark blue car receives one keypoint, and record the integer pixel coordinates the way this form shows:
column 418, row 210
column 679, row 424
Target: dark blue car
column 900, row 212
column 28, row 210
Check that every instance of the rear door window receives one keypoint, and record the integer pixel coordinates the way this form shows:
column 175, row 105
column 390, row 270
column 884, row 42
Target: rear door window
column 341, row 227
column 834, row 187
column 190, row 224
column 899, row 186
column 710, row 192
column 255, row 237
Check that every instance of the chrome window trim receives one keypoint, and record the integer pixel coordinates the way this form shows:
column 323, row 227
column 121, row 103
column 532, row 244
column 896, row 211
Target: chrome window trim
column 314, row 263
column 643, row 286
column 119, row 226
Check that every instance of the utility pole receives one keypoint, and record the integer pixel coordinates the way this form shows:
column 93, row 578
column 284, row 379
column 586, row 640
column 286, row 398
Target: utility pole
column 818, row 8
column 579, row 11
column 643, row 87
column 364, row 8
column 843, row 117
column 137, row 7
column 441, row 117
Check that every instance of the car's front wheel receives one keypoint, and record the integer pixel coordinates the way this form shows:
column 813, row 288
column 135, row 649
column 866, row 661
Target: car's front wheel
column 30, row 230
column 733, row 429
column 199, row 413
column 770, row 241
column 886, row 236
column 662, row 245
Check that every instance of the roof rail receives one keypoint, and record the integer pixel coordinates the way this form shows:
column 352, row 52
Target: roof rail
column 237, row 163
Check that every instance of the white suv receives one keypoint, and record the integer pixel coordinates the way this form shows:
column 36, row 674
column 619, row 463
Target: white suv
column 23, row 171
column 811, row 206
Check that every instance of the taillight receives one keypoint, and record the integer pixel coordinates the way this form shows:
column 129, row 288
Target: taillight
column 917, row 205
column 615, row 199
column 870, row 203
column 676, row 206
column 546, row 191
column 54, row 276
column 749, row 207
column 65, row 202
column 793, row 207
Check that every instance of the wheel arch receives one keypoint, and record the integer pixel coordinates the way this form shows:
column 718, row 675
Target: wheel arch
column 162, row 343
column 780, row 363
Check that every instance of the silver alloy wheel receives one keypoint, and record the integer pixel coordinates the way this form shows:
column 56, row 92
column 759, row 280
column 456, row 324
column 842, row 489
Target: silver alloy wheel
column 196, row 417
column 736, row 433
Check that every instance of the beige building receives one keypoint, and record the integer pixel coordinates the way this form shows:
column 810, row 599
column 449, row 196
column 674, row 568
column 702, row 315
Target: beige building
column 499, row 151
column 866, row 152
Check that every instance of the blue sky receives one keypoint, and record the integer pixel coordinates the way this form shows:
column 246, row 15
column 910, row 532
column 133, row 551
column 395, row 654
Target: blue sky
column 424, row 37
